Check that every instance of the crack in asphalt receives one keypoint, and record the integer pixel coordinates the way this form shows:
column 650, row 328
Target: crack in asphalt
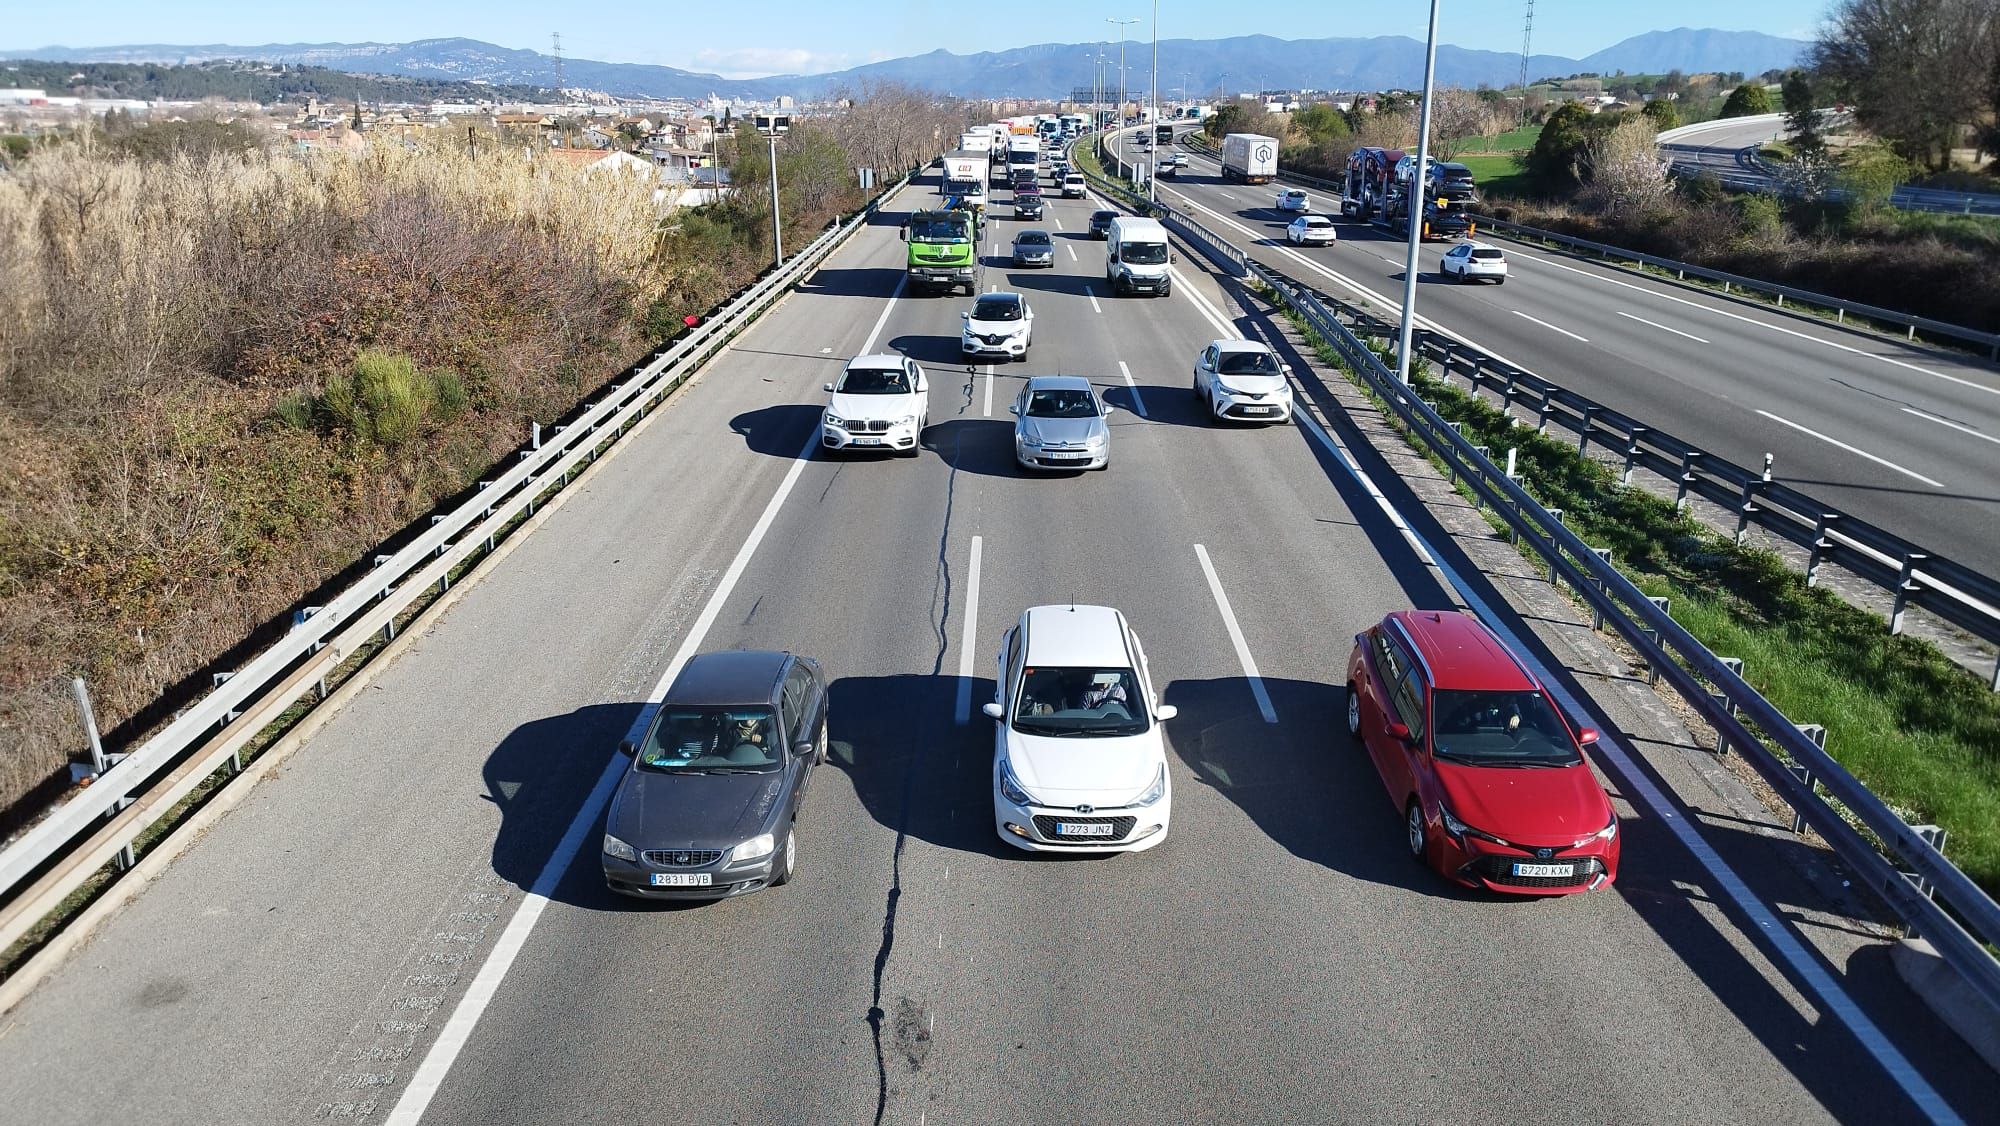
column 941, row 593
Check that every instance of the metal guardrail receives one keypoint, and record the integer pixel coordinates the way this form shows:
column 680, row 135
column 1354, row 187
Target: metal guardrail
column 1842, row 309
column 84, row 833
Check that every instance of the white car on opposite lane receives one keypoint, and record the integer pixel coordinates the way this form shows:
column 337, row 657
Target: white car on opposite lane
column 880, row 402
column 1079, row 750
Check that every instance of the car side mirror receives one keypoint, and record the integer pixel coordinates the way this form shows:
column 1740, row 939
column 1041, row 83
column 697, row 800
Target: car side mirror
column 1109, row 410
column 902, row 235
column 626, row 747
column 1165, row 712
column 923, row 386
column 993, row 711
column 1286, row 368
column 1586, row 736
column 964, row 314
column 1013, row 408
column 1399, row 732
column 826, row 387
column 803, row 750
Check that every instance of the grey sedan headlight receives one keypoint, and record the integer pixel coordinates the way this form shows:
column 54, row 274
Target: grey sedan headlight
column 615, row 847
column 757, row 846
column 1029, row 440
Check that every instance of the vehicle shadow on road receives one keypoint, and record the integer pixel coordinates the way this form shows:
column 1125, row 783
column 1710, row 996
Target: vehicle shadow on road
column 1053, row 281
column 539, row 777
column 779, row 430
column 1300, row 780
column 974, row 445
column 915, row 769
column 853, row 281
column 928, row 349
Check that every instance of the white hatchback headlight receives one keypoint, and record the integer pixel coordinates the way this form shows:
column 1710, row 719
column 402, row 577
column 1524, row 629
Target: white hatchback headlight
column 759, row 845
column 1154, row 792
column 1010, row 786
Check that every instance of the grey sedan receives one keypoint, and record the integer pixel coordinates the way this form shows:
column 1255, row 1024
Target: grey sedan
column 1059, row 423
column 1034, row 248
column 708, row 806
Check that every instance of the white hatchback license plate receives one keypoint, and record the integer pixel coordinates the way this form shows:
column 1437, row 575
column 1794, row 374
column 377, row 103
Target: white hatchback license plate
column 1077, row 829
column 683, row 879
column 1545, row 869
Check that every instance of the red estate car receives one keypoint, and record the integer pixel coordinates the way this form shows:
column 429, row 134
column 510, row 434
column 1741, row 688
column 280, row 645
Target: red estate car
column 1490, row 778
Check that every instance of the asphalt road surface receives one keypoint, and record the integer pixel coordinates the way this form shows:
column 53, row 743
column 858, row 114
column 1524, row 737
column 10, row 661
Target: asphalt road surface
column 358, row 937
column 1905, row 437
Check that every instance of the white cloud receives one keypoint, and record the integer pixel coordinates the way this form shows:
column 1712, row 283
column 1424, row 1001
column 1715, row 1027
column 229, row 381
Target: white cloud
column 760, row 62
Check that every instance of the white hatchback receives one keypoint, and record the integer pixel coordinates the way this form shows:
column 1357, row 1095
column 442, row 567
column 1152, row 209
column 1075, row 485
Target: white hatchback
column 1079, row 753
column 1469, row 260
column 881, row 402
column 1292, row 199
column 1310, row 230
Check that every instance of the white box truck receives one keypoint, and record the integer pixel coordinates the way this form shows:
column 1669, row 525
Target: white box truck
column 1249, row 158
column 964, row 181
column 1136, row 256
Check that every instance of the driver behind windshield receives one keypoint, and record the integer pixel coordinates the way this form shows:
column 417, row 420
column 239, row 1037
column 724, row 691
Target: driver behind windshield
column 1062, row 404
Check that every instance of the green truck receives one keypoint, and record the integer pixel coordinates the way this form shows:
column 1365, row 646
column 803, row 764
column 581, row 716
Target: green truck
column 943, row 250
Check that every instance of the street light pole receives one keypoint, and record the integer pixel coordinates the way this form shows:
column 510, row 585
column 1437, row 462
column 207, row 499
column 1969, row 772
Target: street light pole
column 777, row 232
column 1414, row 198
column 1154, row 125
column 1120, row 111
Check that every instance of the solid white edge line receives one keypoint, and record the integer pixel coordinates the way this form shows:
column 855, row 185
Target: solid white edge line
column 444, row 1051
column 963, row 712
column 1805, row 963
column 1658, row 325
column 1547, row 325
column 1960, row 427
column 1881, row 461
column 1243, row 656
column 1138, row 402
column 1203, row 305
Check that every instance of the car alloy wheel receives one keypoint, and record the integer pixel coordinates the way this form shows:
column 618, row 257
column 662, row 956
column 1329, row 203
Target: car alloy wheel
column 782, row 874
column 1414, row 822
column 821, row 751
column 1353, row 712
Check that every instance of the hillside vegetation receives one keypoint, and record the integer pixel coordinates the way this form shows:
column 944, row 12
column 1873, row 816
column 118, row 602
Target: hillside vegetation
column 227, row 375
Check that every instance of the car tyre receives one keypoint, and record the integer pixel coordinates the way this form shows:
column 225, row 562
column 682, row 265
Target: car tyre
column 822, row 750
column 781, row 872
column 1353, row 713
column 1415, row 836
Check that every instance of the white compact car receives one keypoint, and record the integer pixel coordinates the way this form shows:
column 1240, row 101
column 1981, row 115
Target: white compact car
column 1293, row 199
column 1310, row 230
column 1242, row 379
column 1073, row 186
column 881, row 402
column 998, row 323
column 1079, row 753
column 1469, row 260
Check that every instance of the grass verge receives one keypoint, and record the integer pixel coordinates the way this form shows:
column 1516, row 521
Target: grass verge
column 1919, row 731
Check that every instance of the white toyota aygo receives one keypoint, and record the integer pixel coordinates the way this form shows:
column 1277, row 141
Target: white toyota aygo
column 1079, row 753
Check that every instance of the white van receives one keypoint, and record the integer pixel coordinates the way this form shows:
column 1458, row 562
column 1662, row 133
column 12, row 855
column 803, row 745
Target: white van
column 1136, row 256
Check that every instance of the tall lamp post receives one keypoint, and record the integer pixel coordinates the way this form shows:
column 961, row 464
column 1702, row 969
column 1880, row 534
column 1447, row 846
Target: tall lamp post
column 1416, row 196
column 1154, row 123
column 771, row 125
column 1120, row 111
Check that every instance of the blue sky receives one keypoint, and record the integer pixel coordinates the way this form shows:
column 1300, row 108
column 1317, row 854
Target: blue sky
column 809, row 36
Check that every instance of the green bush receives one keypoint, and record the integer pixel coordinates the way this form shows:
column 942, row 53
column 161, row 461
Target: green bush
column 1761, row 215
column 383, row 398
column 295, row 411
column 1747, row 100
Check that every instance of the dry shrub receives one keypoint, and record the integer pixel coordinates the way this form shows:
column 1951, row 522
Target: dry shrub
column 164, row 324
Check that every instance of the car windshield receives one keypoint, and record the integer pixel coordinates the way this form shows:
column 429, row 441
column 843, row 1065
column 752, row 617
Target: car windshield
column 873, row 381
column 1500, row 729
column 686, row 740
column 1247, row 363
column 1079, row 702
column 1032, row 238
column 1144, row 253
column 1103, row 217
column 939, row 230
column 995, row 310
column 1062, row 403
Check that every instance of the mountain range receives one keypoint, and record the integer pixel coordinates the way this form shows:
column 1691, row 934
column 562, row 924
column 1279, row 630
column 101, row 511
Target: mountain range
column 1197, row 66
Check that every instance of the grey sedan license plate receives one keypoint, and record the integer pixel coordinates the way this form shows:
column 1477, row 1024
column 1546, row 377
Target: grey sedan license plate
column 683, row 879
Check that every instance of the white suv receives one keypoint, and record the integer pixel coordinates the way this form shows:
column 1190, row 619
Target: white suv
column 1001, row 323
column 881, row 402
column 1243, row 379
column 1079, row 754
column 1469, row 260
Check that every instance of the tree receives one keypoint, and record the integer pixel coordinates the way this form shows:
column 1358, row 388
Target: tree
column 1748, row 99
column 1554, row 163
column 1801, row 115
column 1662, row 114
column 1456, row 116
column 1916, row 71
column 1624, row 168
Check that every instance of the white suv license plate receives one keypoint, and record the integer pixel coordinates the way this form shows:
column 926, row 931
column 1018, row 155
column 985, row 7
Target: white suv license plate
column 867, row 441
column 683, row 879
column 1545, row 869
column 1079, row 829
column 1258, row 410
